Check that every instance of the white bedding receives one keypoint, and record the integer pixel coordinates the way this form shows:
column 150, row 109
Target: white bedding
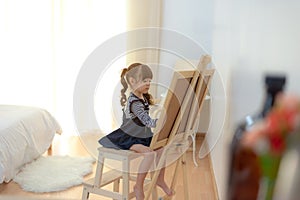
column 25, row 134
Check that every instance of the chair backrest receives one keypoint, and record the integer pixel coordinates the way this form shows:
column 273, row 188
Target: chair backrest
column 185, row 95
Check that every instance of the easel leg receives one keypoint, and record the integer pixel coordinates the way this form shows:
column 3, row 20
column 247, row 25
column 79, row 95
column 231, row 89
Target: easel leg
column 173, row 182
column 193, row 136
column 181, row 161
column 185, row 178
column 154, row 191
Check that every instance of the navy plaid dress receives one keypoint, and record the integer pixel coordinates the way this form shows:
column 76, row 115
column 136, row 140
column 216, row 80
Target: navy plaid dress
column 135, row 128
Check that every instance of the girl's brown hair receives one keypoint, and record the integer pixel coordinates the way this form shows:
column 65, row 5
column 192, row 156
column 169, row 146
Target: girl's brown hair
column 137, row 71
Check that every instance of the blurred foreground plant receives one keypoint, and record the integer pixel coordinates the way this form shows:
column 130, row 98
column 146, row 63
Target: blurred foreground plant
column 268, row 140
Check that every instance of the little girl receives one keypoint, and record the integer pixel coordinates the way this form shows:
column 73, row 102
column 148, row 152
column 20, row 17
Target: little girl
column 135, row 132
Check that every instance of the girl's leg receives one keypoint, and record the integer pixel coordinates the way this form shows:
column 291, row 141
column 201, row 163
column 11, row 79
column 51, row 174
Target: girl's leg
column 143, row 168
column 161, row 177
column 162, row 184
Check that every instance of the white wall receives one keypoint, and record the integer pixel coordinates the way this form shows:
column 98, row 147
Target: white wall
column 194, row 23
column 246, row 39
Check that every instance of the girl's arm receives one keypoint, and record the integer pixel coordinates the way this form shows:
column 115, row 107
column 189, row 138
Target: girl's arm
column 137, row 108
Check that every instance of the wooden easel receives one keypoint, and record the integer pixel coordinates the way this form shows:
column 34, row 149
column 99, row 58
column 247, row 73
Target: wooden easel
column 184, row 125
column 181, row 103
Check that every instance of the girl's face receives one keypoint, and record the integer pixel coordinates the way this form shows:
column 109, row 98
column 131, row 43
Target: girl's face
column 141, row 86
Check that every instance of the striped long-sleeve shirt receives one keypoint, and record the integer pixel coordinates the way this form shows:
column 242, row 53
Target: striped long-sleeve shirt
column 139, row 108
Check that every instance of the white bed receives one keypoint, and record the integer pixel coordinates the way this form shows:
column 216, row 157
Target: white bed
column 25, row 134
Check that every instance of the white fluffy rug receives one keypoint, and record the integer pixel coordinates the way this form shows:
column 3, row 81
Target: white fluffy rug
column 54, row 173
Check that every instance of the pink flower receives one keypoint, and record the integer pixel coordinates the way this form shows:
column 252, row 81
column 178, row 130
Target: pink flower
column 256, row 138
column 288, row 101
column 277, row 144
column 272, row 132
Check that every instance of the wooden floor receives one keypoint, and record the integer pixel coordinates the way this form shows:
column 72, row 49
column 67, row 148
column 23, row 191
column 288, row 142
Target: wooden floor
column 201, row 182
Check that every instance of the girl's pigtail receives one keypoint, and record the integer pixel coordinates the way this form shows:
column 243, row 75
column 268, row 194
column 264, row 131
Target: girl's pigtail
column 125, row 86
column 149, row 98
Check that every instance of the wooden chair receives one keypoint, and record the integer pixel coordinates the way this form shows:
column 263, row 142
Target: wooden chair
column 179, row 107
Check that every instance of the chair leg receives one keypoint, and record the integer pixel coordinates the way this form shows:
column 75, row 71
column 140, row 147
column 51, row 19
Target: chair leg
column 49, row 151
column 85, row 194
column 116, row 186
column 125, row 176
column 99, row 170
